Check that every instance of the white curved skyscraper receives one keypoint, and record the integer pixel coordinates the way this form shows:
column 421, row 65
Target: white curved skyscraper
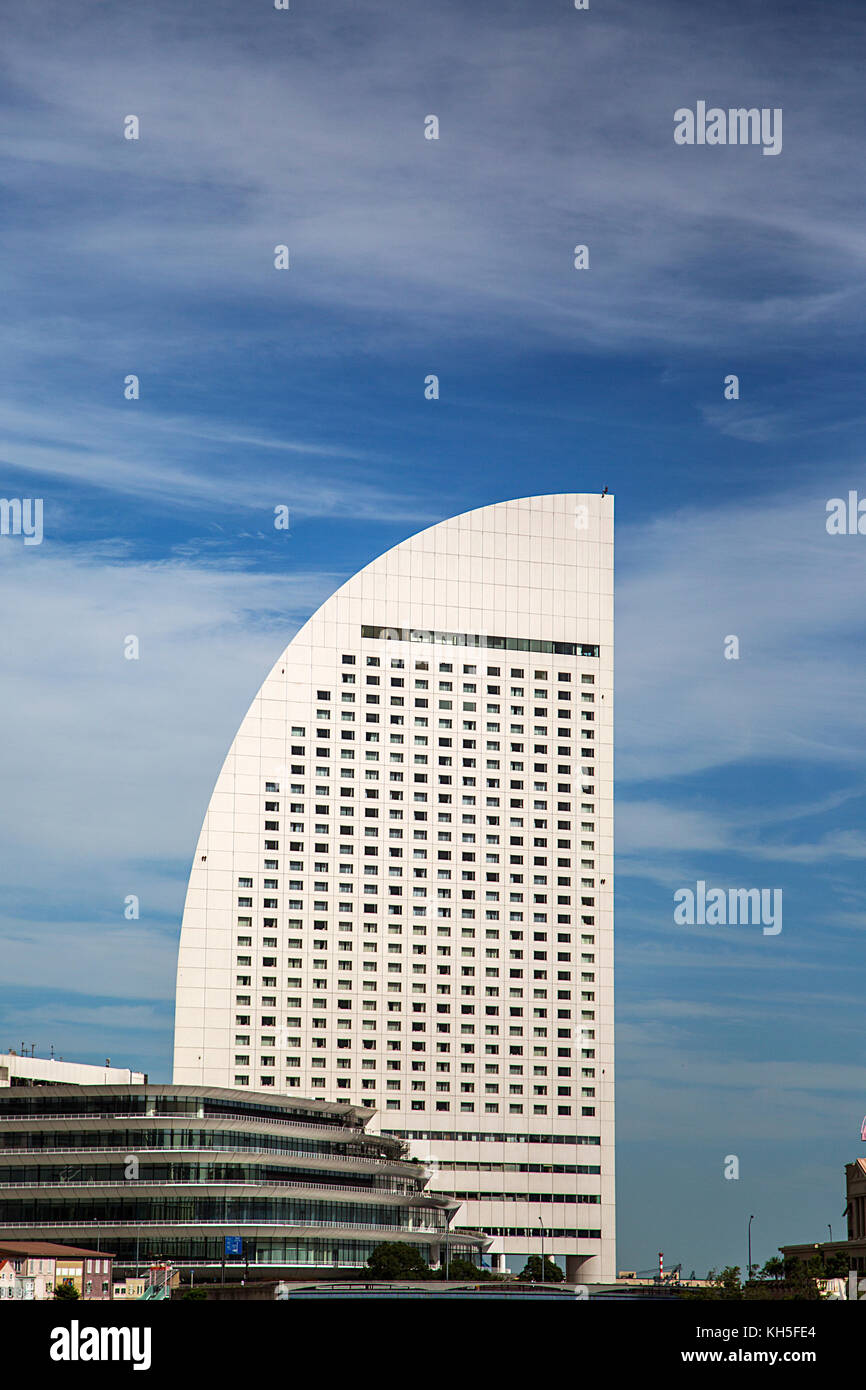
column 402, row 894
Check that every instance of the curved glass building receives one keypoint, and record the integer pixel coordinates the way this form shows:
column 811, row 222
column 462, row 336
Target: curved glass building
column 402, row 895
column 200, row 1176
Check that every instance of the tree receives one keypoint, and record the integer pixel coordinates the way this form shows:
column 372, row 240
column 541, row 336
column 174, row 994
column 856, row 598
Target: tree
column 801, row 1276
column 461, row 1268
column 531, row 1271
column 725, row 1285
column 66, row 1290
column 728, row 1282
column 393, row 1260
column 796, row 1281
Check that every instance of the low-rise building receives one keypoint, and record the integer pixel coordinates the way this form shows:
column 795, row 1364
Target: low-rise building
column 203, row 1178
column 22, row 1069
column 131, row 1287
column 854, row 1246
column 40, row 1267
column 8, row 1281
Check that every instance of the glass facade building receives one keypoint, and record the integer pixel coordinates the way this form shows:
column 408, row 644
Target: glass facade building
column 198, row 1175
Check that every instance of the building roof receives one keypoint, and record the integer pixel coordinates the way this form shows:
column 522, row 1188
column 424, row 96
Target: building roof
column 48, row 1247
column 274, row 1100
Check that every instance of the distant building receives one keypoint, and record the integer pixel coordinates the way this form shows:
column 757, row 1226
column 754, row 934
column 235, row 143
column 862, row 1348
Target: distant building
column 39, row 1267
column 8, row 1281
column 158, row 1277
column 132, row 1287
column 204, row 1178
column 854, row 1247
column 23, row 1070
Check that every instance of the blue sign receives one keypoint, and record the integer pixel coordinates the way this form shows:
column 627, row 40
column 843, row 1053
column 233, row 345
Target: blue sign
column 234, row 1245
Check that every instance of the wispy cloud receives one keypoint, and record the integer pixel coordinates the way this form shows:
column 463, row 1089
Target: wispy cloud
column 247, row 144
column 170, row 458
column 764, row 570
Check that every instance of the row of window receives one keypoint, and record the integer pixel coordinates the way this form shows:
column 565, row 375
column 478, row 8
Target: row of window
column 459, row 1166
column 489, row 1136
column 564, row 1198
column 312, row 1252
column 531, row 1232
column 138, row 1141
column 445, row 1106
column 491, row 1088
column 223, row 1211
column 469, row 639
column 162, row 1173
column 469, row 702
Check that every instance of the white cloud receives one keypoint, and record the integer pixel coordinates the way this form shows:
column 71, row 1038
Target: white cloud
column 135, row 451
column 246, row 143
column 764, row 570
column 112, row 761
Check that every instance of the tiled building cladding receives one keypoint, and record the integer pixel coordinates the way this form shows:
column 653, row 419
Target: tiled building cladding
column 402, row 894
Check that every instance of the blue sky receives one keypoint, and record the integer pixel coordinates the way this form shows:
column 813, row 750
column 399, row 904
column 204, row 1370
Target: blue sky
column 305, row 388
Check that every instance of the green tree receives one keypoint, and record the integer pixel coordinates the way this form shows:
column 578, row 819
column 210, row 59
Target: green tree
column 393, row 1260
column 725, row 1286
column 800, row 1276
column 531, row 1271
column 798, row 1283
column 728, row 1282
column 66, row 1290
column 461, row 1268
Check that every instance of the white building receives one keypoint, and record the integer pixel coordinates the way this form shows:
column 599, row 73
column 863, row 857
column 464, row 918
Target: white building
column 24, row 1070
column 402, row 894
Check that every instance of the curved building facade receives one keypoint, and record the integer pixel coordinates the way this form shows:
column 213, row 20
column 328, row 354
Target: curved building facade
column 200, row 1176
column 402, row 894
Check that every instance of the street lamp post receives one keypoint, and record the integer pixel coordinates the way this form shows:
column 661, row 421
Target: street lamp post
column 542, row 1249
column 749, row 1272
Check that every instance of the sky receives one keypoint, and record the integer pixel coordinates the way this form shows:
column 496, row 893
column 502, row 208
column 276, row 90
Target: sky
column 305, row 389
